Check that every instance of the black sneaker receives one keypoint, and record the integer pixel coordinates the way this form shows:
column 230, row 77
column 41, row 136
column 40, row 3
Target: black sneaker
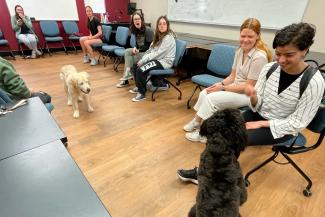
column 188, row 175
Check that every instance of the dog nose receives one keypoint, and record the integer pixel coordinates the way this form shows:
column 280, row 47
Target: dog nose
column 88, row 90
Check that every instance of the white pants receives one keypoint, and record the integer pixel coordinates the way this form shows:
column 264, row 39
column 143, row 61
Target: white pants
column 29, row 40
column 207, row 104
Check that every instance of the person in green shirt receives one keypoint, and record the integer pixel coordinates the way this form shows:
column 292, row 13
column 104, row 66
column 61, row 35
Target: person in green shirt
column 11, row 82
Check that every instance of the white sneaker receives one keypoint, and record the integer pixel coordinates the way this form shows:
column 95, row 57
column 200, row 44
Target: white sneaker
column 139, row 97
column 195, row 137
column 93, row 61
column 38, row 53
column 134, row 90
column 33, row 56
column 86, row 59
column 192, row 125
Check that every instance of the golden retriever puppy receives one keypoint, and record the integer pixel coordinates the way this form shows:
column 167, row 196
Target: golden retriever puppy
column 77, row 87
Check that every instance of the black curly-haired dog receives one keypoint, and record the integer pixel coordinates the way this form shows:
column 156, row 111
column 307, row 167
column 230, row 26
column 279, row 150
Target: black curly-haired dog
column 221, row 185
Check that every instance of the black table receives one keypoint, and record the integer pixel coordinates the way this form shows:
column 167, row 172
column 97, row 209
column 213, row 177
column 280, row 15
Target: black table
column 26, row 128
column 46, row 182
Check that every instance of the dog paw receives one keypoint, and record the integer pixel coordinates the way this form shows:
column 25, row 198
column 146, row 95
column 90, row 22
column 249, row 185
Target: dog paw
column 90, row 109
column 76, row 114
column 69, row 103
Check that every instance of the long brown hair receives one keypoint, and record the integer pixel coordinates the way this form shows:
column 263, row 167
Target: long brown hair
column 16, row 14
column 255, row 25
column 88, row 20
column 135, row 30
column 158, row 35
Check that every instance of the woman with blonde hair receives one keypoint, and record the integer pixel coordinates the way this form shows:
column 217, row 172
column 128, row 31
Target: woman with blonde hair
column 250, row 58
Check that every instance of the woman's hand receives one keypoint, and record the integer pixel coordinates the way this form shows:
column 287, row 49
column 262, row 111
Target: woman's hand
column 19, row 22
column 135, row 50
column 256, row 124
column 251, row 92
column 214, row 88
column 139, row 63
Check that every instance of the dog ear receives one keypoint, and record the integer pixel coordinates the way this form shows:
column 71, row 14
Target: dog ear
column 74, row 81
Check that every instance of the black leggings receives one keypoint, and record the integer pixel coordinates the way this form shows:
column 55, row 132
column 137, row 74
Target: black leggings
column 261, row 136
column 142, row 72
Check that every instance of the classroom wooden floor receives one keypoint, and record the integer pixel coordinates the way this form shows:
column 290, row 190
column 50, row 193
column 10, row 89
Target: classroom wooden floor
column 130, row 151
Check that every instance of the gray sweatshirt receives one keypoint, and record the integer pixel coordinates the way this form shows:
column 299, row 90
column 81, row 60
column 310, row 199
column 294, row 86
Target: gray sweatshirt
column 164, row 53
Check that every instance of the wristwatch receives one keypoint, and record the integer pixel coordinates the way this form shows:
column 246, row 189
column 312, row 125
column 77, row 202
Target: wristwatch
column 223, row 86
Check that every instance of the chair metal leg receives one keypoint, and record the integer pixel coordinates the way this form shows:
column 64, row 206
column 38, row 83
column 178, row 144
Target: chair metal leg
column 180, row 92
column 48, row 49
column 117, row 62
column 105, row 59
column 74, row 47
column 306, row 191
column 22, row 51
column 189, row 100
column 153, row 93
column 65, row 49
column 260, row 166
column 11, row 53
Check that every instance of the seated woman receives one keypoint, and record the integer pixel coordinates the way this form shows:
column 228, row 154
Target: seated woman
column 22, row 25
column 15, row 87
column 144, row 37
column 279, row 113
column 251, row 56
column 160, row 55
column 95, row 29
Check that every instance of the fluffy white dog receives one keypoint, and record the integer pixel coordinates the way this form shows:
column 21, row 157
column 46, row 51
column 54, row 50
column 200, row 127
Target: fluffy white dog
column 77, row 87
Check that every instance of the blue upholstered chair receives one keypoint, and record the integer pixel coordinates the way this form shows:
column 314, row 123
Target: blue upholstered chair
column 71, row 28
column 4, row 99
column 107, row 31
column 5, row 43
column 121, row 37
column 51, row 32
column 164, row 73
column 219, row 66
column 297, row 145
column 119, row 52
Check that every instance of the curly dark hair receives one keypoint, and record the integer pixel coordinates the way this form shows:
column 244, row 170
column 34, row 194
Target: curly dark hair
column 300, row 35
column 135, row 30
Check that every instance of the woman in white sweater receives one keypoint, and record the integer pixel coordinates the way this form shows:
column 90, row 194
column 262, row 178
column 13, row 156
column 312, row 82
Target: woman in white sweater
column 160, row 55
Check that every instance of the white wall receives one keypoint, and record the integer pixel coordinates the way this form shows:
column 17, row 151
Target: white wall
column 152, row 9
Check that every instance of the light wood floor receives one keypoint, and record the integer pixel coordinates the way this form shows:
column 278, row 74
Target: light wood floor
column 130, row 151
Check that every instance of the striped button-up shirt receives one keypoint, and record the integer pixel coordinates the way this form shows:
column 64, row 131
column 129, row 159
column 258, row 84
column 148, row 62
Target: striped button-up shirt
column 287, row 113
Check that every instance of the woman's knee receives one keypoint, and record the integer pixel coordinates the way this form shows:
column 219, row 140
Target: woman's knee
column 82, row 40
column 128, row 52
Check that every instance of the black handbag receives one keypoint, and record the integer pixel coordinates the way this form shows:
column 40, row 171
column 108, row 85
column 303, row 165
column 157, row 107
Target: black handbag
column 45, row 98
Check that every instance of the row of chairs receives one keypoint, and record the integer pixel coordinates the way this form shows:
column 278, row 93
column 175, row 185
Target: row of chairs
column 51, row 32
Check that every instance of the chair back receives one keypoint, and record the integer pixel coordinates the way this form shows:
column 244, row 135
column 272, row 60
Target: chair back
column 49, row 28
column 317, row 125
column 221, row 59
column 180, row 51
column 107, row 31
column 122, row 34
column 133, row 41
column 70, row 27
